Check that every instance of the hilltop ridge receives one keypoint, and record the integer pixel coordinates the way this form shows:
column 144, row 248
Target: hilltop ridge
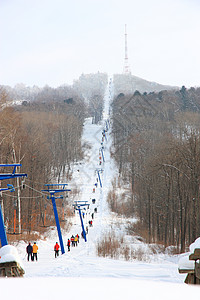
column 128, row 84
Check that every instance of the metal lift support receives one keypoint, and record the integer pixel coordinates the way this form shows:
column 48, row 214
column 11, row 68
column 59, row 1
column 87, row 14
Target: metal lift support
column 107, row 124
column 98, row 172
column 77, row 206
column 104, row 132
column 81, row 203
column 50, row 189
column 3, row 176
column 101, row 149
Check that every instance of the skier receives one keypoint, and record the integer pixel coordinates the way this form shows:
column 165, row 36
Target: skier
column 92, row 215
column 76, row 241
column 72, row 240
column 29, row 250
column 77, row 237
column 56, row 249
column 35, row 249
column 68, row 244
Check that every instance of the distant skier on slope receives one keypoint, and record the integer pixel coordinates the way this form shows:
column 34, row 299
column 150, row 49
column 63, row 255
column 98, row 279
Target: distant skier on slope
column 56, row 249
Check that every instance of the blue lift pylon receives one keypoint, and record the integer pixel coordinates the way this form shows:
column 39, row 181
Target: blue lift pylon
column 104, row 134
column 77, row 206
column 101, row 149
column 10, row 187
column 98, row 172
column 53, row 189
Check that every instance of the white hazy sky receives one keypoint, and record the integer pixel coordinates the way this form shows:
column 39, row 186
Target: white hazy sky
column 55, row 41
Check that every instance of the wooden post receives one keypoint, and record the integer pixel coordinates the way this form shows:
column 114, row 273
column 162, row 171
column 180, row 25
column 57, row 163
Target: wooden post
column 14, row 220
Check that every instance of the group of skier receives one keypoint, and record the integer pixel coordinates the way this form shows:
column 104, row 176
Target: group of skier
column 74, row 240
column 32, row 252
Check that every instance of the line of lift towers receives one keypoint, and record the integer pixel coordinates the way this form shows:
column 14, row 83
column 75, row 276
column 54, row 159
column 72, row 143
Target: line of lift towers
column 52, row 189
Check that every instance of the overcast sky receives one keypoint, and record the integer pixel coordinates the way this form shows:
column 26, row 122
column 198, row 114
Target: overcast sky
column 54, row 41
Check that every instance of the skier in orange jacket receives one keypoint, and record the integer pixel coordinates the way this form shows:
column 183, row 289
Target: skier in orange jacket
column 35, row 249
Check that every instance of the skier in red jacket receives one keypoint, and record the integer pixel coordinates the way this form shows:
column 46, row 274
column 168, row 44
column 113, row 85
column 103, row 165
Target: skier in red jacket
column 56, row 249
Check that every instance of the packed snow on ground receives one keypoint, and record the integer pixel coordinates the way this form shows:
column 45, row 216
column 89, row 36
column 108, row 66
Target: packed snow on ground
column 80, row 272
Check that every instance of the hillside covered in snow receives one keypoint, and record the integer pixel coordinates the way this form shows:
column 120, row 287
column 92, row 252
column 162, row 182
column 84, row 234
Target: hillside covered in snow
column 80, row 270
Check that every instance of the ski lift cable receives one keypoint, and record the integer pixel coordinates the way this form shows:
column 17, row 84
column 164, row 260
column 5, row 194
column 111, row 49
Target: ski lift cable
column 35, row 182
column 34, row 197
column 43, row 194
column 15, row 187
column 37, row 197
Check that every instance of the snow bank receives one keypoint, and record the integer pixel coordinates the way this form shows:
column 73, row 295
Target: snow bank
column 9, row 253
column 195, row 245
column 184, row 263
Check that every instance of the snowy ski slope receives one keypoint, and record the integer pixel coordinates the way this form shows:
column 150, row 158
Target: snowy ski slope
column 80, row 272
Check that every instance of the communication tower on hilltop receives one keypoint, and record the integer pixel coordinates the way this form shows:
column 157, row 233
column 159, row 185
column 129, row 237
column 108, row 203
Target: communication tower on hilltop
column 127, row 69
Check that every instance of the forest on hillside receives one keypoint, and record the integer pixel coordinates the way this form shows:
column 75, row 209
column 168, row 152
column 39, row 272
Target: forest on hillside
column 156, row 144
column 46, row 140
column 41, row 128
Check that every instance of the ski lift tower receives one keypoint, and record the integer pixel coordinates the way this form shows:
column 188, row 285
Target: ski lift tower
column 98, row 170
column 101, row 150
column 10, row 187
column 52, row 189
column 127, row 69
column 77, row 206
